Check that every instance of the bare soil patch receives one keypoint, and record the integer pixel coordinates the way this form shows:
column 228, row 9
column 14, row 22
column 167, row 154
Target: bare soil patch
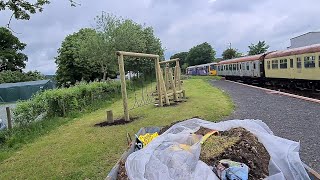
column 116, row 122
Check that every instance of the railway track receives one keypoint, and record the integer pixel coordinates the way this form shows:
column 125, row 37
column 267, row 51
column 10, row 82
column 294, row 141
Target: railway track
column 298, row 92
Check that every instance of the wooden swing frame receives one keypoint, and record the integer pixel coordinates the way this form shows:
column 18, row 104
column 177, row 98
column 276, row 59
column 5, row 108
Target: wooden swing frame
column 161, row 84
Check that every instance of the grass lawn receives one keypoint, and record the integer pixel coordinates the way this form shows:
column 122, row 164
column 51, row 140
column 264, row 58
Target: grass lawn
column 77, row 150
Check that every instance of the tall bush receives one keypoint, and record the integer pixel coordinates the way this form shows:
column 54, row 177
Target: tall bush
column 63, row 101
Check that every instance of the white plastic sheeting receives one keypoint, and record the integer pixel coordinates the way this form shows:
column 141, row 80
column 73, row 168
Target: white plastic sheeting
column 175, row 154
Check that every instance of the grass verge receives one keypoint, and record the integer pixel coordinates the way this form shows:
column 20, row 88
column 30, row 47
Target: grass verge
column 78, row 150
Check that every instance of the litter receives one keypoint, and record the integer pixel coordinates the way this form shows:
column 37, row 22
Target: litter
column 228, row 169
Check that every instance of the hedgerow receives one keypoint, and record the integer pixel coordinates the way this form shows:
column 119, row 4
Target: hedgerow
column 64, row 101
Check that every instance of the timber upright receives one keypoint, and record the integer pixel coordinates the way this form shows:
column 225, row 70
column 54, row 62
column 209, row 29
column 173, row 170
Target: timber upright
column 168, row 88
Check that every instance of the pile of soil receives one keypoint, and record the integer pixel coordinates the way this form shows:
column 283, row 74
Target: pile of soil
column 238, row 145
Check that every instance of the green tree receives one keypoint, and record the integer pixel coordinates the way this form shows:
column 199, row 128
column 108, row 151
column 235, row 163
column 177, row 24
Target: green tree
column 11, row 57
column 259, row 48
column 182, row 56
column 183, row 60
column 71, row 66
column 99, row 47
column 130, row 36
column 90, row 54
column 18, row 76
column 230, row 53
column 201, row 54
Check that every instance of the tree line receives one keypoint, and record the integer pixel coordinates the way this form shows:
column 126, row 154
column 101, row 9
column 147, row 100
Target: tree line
column 90, row 53
column 204, row 53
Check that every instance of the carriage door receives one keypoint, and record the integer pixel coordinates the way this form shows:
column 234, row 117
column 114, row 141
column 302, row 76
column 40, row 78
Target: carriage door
column 291, row 68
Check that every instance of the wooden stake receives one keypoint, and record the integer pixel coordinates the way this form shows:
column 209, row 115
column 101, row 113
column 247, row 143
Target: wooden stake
column 123, row 87
column 163, row 88
column 157, row 66
column 178, row 75
column 9, row 120
column 175, row 97
column 166, row 75
column 110, row 116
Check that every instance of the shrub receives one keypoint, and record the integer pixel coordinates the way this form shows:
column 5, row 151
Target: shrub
column 61, row 102
column 18, row 76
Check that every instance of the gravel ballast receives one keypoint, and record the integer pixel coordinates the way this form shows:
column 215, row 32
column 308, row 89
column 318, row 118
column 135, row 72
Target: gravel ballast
column 287, row 117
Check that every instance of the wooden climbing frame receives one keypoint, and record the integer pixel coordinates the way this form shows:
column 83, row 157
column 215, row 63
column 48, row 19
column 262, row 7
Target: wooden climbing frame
column 171, row 85
column 167, row 87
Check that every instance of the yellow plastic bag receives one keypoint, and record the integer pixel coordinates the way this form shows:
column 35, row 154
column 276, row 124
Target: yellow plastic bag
column 147, row 138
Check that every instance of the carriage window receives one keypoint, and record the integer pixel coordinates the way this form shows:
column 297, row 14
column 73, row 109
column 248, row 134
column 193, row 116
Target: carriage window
column 254, row 65
column 234, row 67
column 268, row 64
column 309, row 62
column 212, row 67
column 240, row 64
column 248, row 66
column 299, row 62
column 275, row 64
column 291, row 63
column 230, row 67
column 283, row 64
column 319, row 61
column 227, row 67
column 237, row 66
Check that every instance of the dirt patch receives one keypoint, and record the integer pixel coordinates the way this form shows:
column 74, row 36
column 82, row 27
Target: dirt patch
column 116, row 122
column 238, row 145
column 122, row 174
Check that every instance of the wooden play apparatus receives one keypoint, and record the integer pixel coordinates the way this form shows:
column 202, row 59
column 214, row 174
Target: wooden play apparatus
column 168, row 88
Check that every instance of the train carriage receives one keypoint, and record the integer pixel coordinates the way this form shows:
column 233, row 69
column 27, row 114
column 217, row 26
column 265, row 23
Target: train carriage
column 242, row 68
column 298, row 68
column 203, row 69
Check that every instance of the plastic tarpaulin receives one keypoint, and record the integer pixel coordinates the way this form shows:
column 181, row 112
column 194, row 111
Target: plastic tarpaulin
column 175, row 153
column 11, row 92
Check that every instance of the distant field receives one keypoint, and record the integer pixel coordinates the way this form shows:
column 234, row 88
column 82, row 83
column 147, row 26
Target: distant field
column 78, row 150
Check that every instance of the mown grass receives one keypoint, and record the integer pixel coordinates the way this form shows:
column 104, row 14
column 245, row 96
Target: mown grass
column 78, row 150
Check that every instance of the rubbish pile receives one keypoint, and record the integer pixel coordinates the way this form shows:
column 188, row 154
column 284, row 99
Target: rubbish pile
column 198, row 149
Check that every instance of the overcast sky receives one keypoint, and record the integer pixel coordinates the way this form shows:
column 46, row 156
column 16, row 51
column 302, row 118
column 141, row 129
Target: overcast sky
column 180, row 24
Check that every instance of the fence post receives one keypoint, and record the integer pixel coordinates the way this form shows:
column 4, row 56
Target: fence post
column 9, row 120
column 123, row 87
column 110, row 116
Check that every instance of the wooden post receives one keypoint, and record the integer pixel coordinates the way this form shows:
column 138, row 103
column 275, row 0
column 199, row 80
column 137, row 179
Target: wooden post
column 157, row 66
column 123, row 87
column 178, row 75
column 9, row 120
column 166, row 75
column 163, row 87
column 175, row 97
column 110, row 116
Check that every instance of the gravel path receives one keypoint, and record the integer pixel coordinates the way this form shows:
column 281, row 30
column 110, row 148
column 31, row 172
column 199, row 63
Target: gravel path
column 3, row 113
column 287, row 117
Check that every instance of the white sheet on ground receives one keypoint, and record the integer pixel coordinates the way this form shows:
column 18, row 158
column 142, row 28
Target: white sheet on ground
column 175, row 154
